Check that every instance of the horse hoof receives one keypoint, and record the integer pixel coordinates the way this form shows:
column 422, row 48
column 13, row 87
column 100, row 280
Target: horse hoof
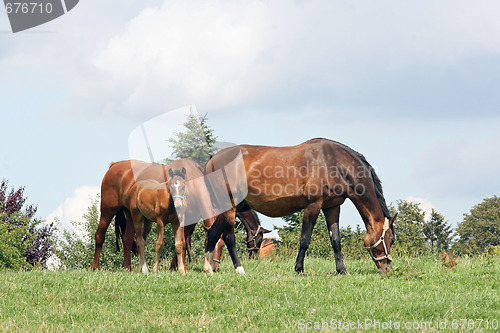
column 208, row 270
column 145, row 269
column 343, row 272
column 240, row 270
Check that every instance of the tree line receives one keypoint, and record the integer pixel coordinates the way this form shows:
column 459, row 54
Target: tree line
column 27, row 242
column 477, row 234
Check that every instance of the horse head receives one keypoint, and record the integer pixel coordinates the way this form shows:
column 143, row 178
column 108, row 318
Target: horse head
column 177, row 187
column 254, row 241
column 379, row 242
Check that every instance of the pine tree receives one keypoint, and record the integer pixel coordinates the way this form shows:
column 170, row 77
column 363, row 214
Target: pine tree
column 197, row 143
column 437, row 232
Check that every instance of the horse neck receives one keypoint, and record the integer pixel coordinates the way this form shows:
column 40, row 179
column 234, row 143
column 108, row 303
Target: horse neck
column 251, row 225
column 370, row 210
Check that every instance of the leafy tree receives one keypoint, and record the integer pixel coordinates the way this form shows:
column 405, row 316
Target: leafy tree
column 14, row 239
column 480, row 228
column 197, row 143
column 22, row 236
column 410, row 239
column 437, row 232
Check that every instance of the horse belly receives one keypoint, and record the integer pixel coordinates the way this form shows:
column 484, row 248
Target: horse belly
column 275, row 206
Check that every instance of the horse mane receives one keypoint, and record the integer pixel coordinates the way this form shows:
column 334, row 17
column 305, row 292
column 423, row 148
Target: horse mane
column 376, row 180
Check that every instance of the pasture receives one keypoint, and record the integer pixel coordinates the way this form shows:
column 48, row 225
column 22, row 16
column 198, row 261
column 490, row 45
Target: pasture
column 270, row 297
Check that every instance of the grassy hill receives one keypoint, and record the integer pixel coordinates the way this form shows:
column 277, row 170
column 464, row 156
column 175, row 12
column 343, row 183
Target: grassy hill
column 270, row 297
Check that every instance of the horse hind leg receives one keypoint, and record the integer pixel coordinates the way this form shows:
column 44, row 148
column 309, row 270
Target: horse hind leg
column 212, row 237
column 229, row 238
column 104, row 221
column 311, row 213
column 332, row 216
column 123, row 223
column 139, row 222
column 159, row 244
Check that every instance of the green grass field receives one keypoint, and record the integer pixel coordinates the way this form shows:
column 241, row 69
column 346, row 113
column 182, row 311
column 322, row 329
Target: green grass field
column 270, row 297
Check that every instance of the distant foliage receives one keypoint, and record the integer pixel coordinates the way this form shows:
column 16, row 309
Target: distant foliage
column 417, row 236
column 24, row 240
column 480, row 228
column 410, row 238
column 75, row 249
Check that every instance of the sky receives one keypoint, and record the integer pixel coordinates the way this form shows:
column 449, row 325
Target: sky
column 413, row 85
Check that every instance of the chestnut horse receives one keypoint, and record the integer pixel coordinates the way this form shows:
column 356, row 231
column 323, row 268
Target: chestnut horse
column 119, row 196
column 317, row 175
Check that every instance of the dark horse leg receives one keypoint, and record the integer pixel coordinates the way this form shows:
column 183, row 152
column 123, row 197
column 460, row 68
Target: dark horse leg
column 124, row 221
column 311, row 213
column 229, row 238
column 332, row 216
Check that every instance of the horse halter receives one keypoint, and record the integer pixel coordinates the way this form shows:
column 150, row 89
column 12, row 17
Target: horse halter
column 183, row 196
column 381, row 240
column 254, row 240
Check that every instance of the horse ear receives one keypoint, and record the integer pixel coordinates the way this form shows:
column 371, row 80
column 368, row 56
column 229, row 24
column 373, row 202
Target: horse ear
column 183, row 171
column 264, row 230
column 171, row 173
column 393, row 219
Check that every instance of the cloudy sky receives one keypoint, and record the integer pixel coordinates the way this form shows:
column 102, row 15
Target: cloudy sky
column 412, row 85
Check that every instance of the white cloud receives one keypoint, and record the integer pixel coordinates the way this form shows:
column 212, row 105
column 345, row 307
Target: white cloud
column 424, row 204
column 153, row 56
column 241, row 55
column 73, row 207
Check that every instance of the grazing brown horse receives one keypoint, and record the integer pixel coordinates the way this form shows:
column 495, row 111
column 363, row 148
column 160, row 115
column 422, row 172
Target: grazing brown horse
column 121, row 196
column 317, row 175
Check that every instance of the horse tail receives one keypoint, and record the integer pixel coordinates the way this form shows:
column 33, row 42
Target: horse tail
column 120, row 225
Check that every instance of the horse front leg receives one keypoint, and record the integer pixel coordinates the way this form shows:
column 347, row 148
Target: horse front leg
column 332, row 216
column 311, row 213
column 180, row 246
column 160, row 226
